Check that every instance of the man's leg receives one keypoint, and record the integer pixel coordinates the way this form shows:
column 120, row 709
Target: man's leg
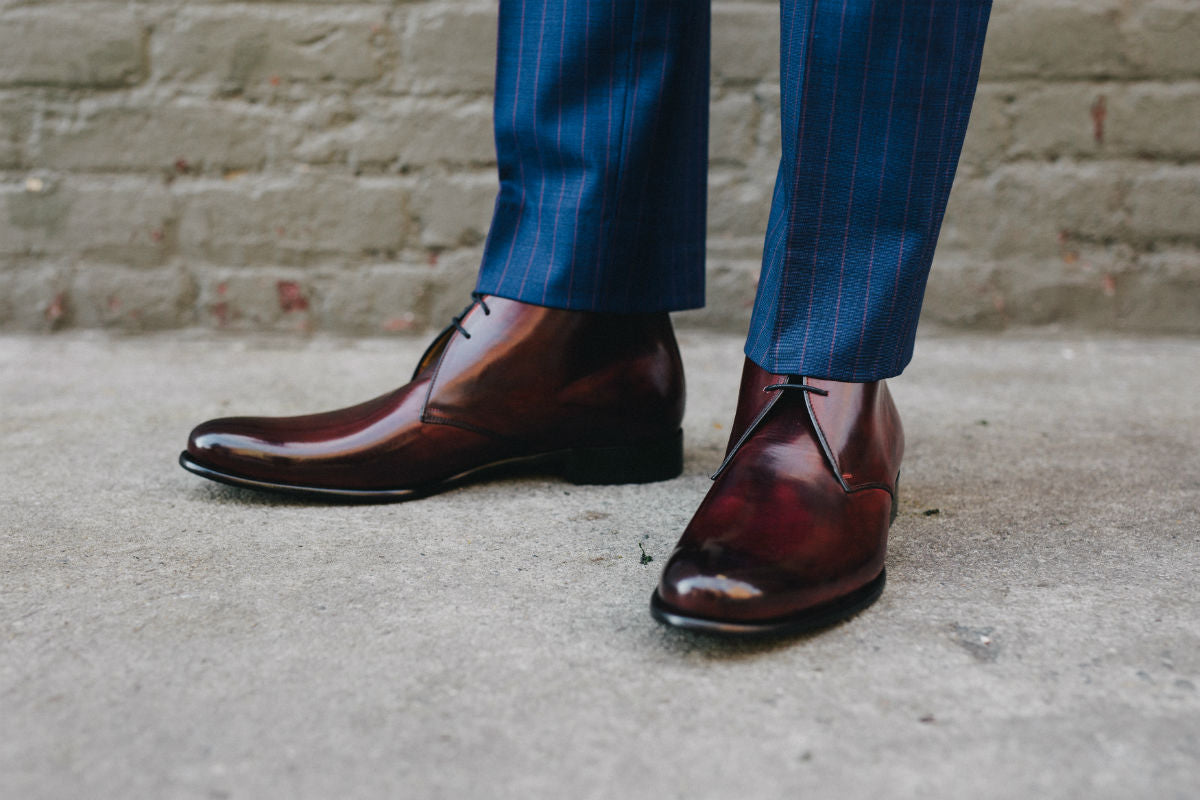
column 567, row 355
column 601, row 118
column 876, row 95
column 792, row 535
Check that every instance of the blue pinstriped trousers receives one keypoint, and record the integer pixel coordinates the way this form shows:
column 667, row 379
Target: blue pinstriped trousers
column 601, row 120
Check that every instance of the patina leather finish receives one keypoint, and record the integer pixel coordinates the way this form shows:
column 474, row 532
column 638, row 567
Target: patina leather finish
column 793, row 531
column 508, row 381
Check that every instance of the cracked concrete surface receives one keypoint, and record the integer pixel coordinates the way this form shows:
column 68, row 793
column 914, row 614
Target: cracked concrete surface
column 167, row 637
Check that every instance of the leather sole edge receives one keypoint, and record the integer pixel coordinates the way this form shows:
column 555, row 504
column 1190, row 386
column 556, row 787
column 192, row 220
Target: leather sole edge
column 231, row 479
column 650, row 462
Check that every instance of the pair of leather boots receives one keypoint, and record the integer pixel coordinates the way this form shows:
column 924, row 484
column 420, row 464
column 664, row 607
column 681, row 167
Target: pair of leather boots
column 790, row 537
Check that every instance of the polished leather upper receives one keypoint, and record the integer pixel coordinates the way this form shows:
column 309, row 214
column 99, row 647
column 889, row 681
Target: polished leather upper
column 798, row 514
column 515, row 380
column 555, row 378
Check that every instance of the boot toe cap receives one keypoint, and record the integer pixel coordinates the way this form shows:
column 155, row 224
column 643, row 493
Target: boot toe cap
column 238, row 445
column 699, row 586
column 733, row 590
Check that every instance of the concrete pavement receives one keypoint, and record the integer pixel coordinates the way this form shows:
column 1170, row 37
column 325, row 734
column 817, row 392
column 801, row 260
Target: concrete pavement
column 161, row 636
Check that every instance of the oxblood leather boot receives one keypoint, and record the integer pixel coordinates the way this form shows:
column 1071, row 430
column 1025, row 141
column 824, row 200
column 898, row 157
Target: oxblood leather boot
column 598, row 397
column 793, row 532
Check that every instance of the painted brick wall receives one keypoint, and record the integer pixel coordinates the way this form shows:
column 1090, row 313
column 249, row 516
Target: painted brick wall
column 328, row 166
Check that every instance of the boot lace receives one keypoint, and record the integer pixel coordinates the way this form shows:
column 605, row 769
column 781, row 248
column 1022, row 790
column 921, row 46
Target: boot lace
column 456, row 322
column 804, row 387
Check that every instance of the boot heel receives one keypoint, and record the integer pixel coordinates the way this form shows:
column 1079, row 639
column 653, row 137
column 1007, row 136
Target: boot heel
column 656, row 460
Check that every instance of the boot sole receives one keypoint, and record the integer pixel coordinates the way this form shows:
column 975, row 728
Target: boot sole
column 650, row 462
column 820, row 616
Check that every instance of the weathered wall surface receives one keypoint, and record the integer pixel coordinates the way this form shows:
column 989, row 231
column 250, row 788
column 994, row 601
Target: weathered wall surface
column 329, row 166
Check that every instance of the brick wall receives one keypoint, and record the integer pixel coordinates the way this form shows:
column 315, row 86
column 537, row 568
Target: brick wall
column 329, row 166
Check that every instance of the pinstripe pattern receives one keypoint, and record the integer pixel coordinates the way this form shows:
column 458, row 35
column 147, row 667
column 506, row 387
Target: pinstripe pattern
column 601, row 137
column 873, row 124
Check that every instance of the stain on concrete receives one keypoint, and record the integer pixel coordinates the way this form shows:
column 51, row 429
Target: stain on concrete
column 979, row 642
column 590, row 516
